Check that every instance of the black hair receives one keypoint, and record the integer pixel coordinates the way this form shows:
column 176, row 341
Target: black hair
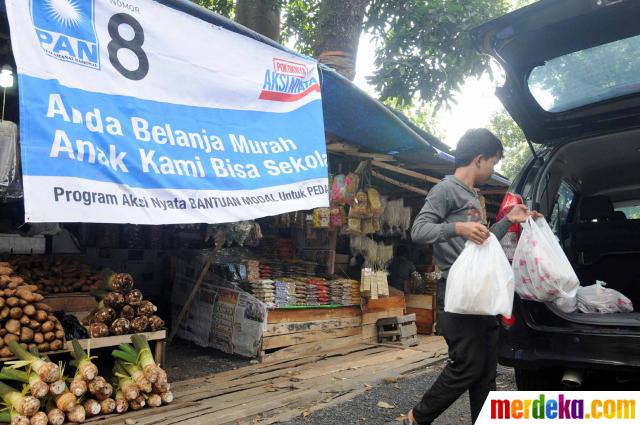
column 477, row 141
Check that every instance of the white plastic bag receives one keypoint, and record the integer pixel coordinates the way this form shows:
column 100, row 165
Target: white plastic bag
column 598, row 299
column 566, row 305
column 541, row 269
column 480, row 281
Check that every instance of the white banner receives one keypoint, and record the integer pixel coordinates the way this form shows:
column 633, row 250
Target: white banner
column 134, row 112
column 549, row 407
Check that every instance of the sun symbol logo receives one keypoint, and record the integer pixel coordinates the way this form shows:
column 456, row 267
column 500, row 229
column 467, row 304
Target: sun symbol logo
column 65, row 12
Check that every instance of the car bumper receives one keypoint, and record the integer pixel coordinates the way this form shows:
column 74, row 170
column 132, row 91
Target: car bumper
column 530, row 346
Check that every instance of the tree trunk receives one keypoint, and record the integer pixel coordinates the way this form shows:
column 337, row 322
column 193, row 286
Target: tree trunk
column 262, row 16
column 338, row 34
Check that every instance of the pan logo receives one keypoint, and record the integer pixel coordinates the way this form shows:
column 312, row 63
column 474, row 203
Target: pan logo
column 65, row 30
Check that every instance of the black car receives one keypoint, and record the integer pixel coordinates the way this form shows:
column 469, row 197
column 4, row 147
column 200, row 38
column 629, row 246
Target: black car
column 573, row 85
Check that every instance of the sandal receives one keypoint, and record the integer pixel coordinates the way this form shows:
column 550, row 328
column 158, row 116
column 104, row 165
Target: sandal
column 408, row 420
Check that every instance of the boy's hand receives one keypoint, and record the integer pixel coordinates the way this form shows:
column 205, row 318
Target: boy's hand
column 474, row 232
column 519, row 214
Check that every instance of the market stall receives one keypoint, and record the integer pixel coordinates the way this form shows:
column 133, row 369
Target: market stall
column 273, row 297
column 320, row 274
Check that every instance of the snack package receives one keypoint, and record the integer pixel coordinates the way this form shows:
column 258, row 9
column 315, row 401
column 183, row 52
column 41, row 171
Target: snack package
column 338, row 190
column 321, row 218
column 367, row 226
column 375, row 202
column 337, row 216
column 360, row 206
column 354, row 223
column 351, row 182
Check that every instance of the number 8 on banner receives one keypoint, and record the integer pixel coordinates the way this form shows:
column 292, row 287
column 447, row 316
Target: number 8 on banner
column 135, row 45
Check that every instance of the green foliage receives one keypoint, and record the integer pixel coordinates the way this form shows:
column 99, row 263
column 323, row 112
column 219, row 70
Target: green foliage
column 298, row 24
column 516, row 148
column 225, row 8
column 424, row 46
column 517, row 4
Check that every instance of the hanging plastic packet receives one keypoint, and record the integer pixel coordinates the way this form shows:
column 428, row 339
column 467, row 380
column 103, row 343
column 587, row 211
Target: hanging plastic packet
column 339, row 190
column 321, row 218
column 375, row 202
column 337, row 216
column 360, row 206
column 351, row 182
column 367, row 226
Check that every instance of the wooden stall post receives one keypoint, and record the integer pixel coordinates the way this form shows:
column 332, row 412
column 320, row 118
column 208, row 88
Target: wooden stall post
column 331, row 260
column 160, row 352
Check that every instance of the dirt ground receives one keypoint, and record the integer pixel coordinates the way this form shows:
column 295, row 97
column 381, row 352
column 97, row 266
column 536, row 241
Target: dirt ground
column 186, row 360
column 400, row 397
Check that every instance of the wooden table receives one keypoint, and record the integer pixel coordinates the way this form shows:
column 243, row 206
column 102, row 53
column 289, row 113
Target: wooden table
column 158, row 339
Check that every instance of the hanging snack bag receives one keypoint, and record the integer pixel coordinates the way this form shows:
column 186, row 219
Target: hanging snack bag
column 337, row 216
column 375, row 202
column 351, row 182
column 360, row 206
column 338, row 190
column 354, row 222
column 367, row 226
column 321, row 218
column 376, row 223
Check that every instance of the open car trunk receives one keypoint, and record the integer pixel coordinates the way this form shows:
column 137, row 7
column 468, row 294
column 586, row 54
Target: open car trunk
column 573, row 84
column 589, row 191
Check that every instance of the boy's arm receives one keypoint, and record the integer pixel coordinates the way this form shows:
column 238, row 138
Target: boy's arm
column 428, row 226
column 501, row 228
column 518, row 214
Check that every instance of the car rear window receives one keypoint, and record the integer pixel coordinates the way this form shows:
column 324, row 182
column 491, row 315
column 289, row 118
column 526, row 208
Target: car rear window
column 631, row 209
column 561, row 207
column 587, row 76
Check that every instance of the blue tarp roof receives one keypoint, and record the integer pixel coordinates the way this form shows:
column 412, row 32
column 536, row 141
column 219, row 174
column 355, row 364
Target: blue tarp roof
column 354, row 116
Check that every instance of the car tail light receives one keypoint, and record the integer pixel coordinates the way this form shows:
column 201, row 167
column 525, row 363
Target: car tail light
column 507, row 322
column 510, row 240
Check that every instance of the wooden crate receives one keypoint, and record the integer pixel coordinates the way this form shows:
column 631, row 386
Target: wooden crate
column 398, row 330
column 71, row 302
column 393, row 305
column 423, row 307
column 80, row 304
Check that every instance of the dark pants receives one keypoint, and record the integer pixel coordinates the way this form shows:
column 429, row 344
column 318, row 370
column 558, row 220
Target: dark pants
column 473, row 358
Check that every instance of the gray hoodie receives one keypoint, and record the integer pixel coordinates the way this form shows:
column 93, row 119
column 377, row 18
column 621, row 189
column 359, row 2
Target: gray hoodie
column 449, row 202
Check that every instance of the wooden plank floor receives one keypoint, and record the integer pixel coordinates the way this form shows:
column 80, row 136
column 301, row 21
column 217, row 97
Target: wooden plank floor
column 281, row 390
